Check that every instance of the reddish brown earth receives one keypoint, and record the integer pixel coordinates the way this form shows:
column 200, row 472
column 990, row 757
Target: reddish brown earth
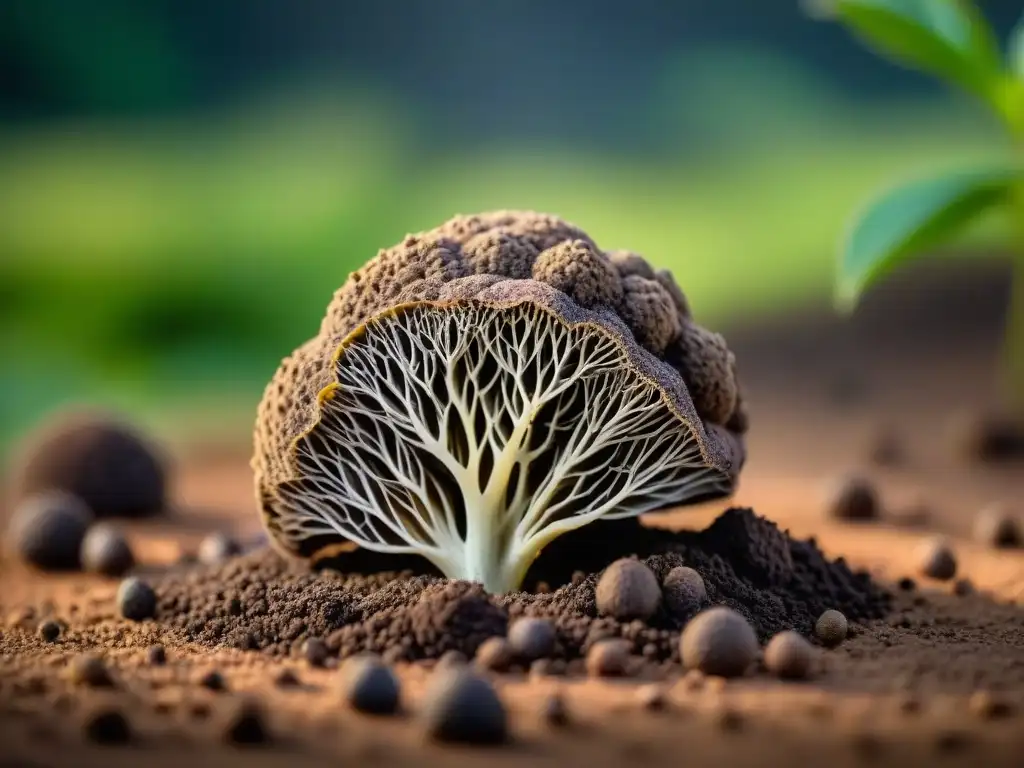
column 905, row 687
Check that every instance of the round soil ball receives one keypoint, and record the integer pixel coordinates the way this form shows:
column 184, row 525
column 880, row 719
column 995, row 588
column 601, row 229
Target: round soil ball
column 136, row 600
column 853, row 498
column 50, row 631
column 683, row 590
column 216, row 548
column 107, row 726
column 789, row 656
column 100, row 460
column 460, row 706
column 46, row 530
column 936, row 559
column 720, row 642
column 89, row 670
column 494, row 655
column 831, row 628
column 106, row 551
column 370, row 686
column 996, row 527
column 628, row 590
column 608, row 658
column 530, row 638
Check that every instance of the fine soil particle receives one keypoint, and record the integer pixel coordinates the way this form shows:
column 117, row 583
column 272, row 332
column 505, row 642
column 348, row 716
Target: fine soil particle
column 747, row 563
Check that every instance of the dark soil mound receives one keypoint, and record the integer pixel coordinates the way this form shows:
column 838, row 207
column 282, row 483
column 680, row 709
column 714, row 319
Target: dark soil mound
column 260, row 602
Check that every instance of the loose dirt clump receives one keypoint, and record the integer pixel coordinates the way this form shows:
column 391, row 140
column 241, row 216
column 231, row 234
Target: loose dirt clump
column 258, row 601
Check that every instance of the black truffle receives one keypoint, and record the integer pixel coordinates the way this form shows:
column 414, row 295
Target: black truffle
column 47, row 530
column 102, row 461
column 106, row 551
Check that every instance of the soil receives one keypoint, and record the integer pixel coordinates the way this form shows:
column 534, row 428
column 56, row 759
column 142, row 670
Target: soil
column 932, row 670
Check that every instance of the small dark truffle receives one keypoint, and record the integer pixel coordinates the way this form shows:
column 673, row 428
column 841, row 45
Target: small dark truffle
column 684, row 591
column 102, row 461
column 936, row 559
column 530, row 638
column 853, row 498
column 136, row 600
column 789, row 656
column 628, row 590
column 987, row 705
column 831, row 628
column 91, row 671
column 46, row 530
column 107, row 726
column 554, row 710
column 996, row 527
column 216, row 548
column 720, row 642
column 246, row 725
column 315, row 651
column 370, row 686
column 49, row 630
column 608, row 658
column 214, row 681
column 460, row 706
column 494, row 654
column 106, row 551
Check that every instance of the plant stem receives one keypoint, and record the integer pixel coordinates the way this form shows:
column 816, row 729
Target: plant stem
column 1014, row 352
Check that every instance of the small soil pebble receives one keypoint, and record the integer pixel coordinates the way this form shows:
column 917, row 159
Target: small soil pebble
column 494, row 654
column 531, row 638
column 107, row 726
column 987, row 705
column 136, row 600
column 217, row 548
column 789, row 656
column 49, row 630
column 963, row 587
column 106, row 551
column 246, row 725
column 287, row 678
column 554, row 710
column 214, row 681
column 628, row 590
column 608, row 658
column 683, row 591
column 370, row 686
column 156, row 655
column 314, row 650
column 852, row 498
column 460, row 706
column 885, row 448
column 936, row 559
column 91, row 671
column 988, row 437
column 831, row 628
column 451, row 659
column 718, row 641
column 101, row 460
column 996, row 527
column 46, row 530
column 652, row 697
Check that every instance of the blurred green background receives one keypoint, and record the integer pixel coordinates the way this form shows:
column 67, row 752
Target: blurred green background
column 183, row 184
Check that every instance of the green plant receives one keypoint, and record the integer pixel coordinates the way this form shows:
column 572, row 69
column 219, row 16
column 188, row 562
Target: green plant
column 949, row 39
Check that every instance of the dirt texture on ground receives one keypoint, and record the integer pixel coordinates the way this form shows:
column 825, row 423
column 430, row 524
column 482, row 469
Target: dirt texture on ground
column 933, row 669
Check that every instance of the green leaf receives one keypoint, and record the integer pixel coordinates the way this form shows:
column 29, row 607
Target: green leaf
column 1017, row 49
column 905, row 221
column 947, row 38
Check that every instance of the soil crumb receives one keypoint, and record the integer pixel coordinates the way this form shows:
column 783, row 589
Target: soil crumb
column 259, row 601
